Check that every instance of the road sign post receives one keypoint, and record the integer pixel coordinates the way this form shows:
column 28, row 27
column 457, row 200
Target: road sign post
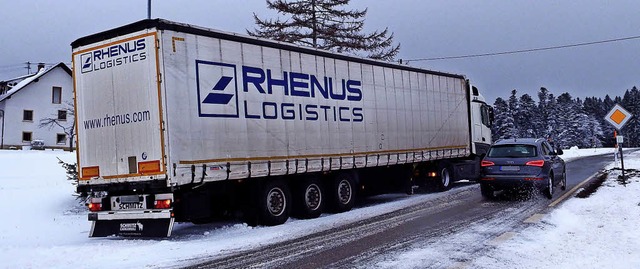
column 618, row 117
column 620, row 140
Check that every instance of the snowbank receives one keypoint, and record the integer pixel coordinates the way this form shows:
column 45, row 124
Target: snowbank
column 597, row 232
column 574, row 152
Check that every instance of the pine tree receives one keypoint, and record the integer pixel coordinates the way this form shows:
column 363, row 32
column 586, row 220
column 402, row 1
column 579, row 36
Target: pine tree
column 590, row 132
column 323, row 24
column 631, row 130
column 608, row 129
column 503, row 126
column 548, row 110
column 527, row 117
column 513, row 110
column 565, row 114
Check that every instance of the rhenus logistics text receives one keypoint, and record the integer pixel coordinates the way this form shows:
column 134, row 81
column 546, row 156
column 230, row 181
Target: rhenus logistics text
column 115, row 55
column 301, row 85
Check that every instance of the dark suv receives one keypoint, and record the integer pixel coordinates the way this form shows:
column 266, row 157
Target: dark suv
column 522, row 162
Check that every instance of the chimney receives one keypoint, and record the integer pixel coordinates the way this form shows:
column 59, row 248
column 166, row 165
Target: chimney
column 40, row 66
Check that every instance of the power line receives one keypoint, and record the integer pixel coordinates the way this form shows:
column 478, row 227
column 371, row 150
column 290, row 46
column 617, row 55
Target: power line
column 524, row 50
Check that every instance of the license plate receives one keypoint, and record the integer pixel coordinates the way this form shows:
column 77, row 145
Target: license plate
column 510, row 168
column 130, row 206
column 130, row 202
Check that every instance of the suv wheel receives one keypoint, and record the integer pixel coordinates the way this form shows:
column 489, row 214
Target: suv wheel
column 487, row 192
column 548, row 192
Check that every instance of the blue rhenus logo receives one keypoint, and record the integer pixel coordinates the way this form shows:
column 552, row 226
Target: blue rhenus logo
column 217, row 89
column 267, row 94
column 87, row 62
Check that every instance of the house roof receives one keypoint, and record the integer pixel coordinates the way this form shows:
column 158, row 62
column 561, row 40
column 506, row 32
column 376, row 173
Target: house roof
column 18, row 79
column 22, row 84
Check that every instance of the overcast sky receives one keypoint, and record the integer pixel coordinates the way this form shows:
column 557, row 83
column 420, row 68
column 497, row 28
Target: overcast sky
column 41, row 31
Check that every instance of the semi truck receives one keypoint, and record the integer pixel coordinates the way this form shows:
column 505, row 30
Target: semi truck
column 181, row 123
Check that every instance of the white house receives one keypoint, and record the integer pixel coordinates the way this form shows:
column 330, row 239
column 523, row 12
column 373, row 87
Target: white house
column 27, row 100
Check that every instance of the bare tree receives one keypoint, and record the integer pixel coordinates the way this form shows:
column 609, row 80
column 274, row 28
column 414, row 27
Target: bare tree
column 322, row 24
column 64, row 119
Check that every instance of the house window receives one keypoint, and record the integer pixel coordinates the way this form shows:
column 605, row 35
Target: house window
column 26, row 136
column 56, row 96
column 27, row 115
column 62, row 115
column 61, row 138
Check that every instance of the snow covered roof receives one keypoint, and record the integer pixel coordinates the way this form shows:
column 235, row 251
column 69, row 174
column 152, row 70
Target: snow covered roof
column 22, row 84
column 18, row 79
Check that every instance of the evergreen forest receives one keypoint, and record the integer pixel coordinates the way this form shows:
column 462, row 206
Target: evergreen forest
column 565, row 120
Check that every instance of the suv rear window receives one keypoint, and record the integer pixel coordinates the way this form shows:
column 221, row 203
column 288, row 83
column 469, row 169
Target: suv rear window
column 512, row 151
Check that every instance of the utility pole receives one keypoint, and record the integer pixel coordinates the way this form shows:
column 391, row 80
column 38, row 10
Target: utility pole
column 148, row 9
column 29, row 65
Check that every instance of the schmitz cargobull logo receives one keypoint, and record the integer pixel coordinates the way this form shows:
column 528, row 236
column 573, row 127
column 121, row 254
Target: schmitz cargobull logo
column 229, row 91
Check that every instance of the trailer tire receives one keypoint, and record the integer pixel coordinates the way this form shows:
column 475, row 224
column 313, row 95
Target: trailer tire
column 445, row 178
column 342, row 192
column 273, row 203
column 308, row 199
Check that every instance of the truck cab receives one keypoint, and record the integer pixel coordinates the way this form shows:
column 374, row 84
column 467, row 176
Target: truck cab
column 481, row 121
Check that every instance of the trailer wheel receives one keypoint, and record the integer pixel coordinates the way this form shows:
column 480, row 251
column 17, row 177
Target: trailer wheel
column 274, row 203
column 308, row 199
column 444, row 176
column 342, row 192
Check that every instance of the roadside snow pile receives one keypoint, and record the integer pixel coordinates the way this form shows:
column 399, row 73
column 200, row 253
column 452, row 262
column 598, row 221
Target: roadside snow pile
column 574, row 152
column 597, row 232
column 37, row 201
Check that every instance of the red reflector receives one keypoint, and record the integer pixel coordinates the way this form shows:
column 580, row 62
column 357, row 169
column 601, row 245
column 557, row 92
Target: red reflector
column 533, row 178
column 538, row 163
column 93, row 207
column 487, row 178
column 487, row 163
column 162, row 204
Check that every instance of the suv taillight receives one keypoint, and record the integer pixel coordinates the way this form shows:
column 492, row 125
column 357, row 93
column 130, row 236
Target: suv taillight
column 538, row 163
column 487, row 163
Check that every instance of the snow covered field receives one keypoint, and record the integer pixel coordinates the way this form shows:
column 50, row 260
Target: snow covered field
column 43, row 226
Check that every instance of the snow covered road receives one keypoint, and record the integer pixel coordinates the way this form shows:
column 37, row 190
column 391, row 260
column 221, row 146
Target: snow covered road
column 44, row 227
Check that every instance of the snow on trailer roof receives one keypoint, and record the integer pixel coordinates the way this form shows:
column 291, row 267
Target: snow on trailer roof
column 162, row 24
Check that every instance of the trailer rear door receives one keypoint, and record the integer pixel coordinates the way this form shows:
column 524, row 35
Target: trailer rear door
column 117, row 88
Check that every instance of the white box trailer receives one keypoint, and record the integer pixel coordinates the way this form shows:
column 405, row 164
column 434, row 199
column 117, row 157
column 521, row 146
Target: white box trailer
column 178, row 122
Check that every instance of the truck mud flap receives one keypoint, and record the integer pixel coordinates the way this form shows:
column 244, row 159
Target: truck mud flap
column 130, row 227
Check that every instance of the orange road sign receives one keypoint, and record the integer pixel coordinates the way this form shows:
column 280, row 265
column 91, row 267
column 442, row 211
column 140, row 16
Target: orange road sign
column 618, row 116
